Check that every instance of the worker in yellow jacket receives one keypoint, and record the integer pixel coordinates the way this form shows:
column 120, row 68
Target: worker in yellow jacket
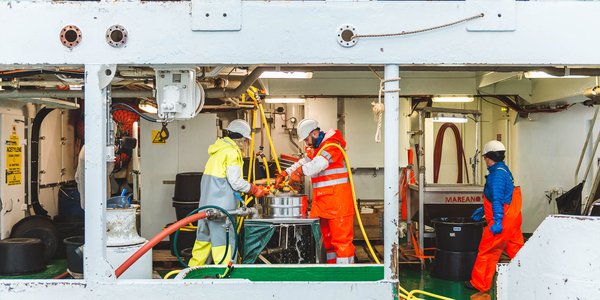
column 222, row 177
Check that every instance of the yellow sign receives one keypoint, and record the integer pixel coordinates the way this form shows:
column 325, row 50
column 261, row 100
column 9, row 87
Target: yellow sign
column 157, row 137
column 13, row 159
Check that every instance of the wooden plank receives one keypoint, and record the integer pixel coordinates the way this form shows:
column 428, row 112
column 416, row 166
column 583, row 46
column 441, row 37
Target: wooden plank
column 163, row 255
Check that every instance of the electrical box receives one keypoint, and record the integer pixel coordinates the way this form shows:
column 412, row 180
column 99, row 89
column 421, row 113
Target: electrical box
column 12, row 166
column 178, row 95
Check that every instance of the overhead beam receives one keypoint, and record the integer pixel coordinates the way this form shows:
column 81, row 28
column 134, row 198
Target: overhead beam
column 160, row 33
column 490, row 78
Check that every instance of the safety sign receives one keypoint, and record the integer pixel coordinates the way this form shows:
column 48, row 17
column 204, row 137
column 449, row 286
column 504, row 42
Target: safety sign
column 14, row 152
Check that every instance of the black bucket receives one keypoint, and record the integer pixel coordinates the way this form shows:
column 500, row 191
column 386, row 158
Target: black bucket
column 66, row 227
column 187, row 187
column 455, row 266
column 74, row 253
column 458, row 233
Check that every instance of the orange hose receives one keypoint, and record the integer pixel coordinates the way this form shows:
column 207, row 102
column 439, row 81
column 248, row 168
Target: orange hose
column 62, row 275
column 155, row 240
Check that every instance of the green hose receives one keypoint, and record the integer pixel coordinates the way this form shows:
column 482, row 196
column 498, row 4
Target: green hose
column 231, row 219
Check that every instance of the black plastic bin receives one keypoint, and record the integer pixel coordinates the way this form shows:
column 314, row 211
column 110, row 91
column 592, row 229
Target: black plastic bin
column 455, row 266
column 187, row 187
column 458, row 234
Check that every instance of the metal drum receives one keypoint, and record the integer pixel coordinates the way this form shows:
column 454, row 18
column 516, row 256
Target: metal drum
column 285, row 205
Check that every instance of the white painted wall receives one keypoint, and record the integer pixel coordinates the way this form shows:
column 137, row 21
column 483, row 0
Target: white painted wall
column 544, row 156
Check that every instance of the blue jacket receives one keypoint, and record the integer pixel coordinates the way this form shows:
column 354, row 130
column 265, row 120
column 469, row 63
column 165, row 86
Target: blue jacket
column 499, row 189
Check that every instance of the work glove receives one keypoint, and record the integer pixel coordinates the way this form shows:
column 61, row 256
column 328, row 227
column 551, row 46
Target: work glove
column 280, row 178
column 258, row 191
column 296, row 177
column 496, row 228
column 477, row 214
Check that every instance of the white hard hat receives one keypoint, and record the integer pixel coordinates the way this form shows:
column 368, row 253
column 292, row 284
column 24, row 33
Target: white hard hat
column 305, row 127
column 240, row 126
column 493, row 146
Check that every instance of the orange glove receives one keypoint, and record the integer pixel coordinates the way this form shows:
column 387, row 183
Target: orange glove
column 280, row 178
column 296, row 176
column 258, row 191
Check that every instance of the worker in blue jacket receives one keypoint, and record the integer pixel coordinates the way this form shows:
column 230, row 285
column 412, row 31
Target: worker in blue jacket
column 502, row 210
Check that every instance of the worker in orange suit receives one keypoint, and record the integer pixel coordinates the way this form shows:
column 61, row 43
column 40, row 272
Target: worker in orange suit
column 332, row 200
column 502, row 210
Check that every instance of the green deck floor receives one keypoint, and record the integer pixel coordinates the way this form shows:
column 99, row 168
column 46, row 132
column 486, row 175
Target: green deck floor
column 53, row 269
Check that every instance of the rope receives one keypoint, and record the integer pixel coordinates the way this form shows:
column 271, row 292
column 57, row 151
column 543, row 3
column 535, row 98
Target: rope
column 379, row 107
column 356, row 36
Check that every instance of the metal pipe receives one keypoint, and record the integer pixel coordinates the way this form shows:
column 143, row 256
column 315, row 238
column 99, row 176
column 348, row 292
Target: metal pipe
column 71, row 94
column 391, row 160
column 232, row 93
column 421, row 181
column 587, row 139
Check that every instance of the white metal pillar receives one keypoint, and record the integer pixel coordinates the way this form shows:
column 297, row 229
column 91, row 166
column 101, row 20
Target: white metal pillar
column 96, row 268
column 390, row 182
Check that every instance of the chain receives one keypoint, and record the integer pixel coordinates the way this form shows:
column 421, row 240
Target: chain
column 356, row 36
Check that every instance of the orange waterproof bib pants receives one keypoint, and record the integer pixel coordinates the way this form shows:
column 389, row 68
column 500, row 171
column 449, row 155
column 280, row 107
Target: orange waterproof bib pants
column 491, row 246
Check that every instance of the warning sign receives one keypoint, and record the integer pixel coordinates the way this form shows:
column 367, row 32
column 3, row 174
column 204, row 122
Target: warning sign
column 14, row 153
column 158, row 137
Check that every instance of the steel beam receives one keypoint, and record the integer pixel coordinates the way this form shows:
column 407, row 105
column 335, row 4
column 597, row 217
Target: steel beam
column 391, row 161
column 160, row 32
column 96, row 267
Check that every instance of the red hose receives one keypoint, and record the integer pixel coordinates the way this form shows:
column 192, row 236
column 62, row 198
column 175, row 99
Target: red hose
column 155, row 240
column 62, row 275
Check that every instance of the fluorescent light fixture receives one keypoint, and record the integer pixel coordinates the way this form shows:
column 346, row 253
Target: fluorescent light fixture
column 449, row 118
column 292, row 75
column 461, row 99
column 284, row 100
column 148, row 107
column 540, row 74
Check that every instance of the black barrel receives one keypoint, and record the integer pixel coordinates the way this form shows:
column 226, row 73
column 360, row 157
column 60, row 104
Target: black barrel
column 458, row 234
column 455, row 266
column 187, row 187
column 457, row 240
column 21, row 256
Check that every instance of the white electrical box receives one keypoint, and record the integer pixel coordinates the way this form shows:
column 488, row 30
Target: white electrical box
column 178, row 95
column 12, row 166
